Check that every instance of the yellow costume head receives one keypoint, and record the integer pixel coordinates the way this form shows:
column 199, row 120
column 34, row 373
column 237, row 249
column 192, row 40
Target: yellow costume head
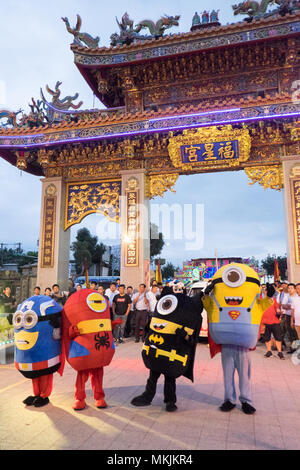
column 234, row 311
column 236, row 285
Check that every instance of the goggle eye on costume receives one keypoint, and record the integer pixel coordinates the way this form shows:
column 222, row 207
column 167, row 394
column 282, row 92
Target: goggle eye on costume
column 96, row 302
column 235, row 277
column 25, row 320
column 167, row 304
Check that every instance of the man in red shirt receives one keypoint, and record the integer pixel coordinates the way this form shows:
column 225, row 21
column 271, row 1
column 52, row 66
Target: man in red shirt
column 271, row 320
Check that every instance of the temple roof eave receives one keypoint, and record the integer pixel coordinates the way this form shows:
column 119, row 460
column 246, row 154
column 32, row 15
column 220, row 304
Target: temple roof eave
column 259, row 103
column 147, row 124
column 29, row 167
column 211, row 38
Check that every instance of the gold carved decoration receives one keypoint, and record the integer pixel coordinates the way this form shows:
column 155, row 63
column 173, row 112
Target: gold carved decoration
column 295, row 200
column 132, row 183
column 157, row 185
column 295, row 172
column 210, row 148
column 270, row 177
column 51, row 190
column 87, row 198
column 21, row 162
column 44, row 156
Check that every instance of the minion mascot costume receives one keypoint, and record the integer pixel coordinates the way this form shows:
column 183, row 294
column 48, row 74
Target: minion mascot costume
column 234, row 313
column 170, row 344
column 88, row 342
column 38, row 351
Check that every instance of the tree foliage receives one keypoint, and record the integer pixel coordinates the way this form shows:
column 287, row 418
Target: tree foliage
column 87, row 250
column 18, row 256
column 156, row 241
column 168, row 270
column 269, row 264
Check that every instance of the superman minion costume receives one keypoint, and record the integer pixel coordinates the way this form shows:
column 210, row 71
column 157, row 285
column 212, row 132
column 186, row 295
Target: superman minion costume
column 234, row 310
column 38, row 352
column 170, row 344
column 88, row 342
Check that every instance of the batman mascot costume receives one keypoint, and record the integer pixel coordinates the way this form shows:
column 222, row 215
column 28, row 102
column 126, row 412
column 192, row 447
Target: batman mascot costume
column 170, row 343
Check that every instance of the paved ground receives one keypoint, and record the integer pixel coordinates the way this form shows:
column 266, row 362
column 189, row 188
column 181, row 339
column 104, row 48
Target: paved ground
column 198, row 424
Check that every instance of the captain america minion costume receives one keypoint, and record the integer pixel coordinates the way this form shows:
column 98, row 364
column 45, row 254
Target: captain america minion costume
column 38, row 351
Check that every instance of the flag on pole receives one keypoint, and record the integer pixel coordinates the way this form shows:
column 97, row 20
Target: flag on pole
column 87, row 281
column 158, row 276
column 276, row 271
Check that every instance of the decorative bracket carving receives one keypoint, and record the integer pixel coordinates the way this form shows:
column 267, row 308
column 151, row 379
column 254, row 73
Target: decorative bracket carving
column 270, row 177
column 157, row 185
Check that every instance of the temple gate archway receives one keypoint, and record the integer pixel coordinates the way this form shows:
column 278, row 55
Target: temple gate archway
column 215, row 99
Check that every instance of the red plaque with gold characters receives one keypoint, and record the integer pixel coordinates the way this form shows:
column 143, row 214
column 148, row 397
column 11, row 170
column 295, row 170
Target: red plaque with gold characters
column 47, row 258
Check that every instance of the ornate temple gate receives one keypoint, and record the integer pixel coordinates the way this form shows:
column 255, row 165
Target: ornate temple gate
column 223, row 99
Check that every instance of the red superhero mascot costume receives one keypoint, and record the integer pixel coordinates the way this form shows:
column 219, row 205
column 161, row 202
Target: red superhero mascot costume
column 88, row 341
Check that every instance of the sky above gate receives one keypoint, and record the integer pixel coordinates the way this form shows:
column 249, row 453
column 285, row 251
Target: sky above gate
column 234, row 218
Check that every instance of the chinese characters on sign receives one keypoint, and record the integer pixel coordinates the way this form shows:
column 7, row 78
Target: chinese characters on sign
column 295, row 183
column 47, row 260
column 131, row 245
column 213, row 151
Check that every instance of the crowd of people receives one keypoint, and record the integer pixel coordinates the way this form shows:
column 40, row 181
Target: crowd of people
column 281, row 321
column 132, row 306
column 280, row 326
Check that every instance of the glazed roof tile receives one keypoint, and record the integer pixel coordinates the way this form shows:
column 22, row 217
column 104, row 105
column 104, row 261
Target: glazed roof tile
column 131, row 117
column 206, row 32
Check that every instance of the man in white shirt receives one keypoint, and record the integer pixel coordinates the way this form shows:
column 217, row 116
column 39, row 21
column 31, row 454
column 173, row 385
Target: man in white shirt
column 142, row 306
column 295, row 311
column 152, row 297
column 283, row 300
column 289, row 292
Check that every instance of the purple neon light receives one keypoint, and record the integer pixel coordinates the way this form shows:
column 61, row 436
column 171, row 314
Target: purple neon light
column 149, row 131
column 196, row 114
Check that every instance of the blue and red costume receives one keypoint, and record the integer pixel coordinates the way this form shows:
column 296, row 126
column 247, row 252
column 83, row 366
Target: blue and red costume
column 38, row 348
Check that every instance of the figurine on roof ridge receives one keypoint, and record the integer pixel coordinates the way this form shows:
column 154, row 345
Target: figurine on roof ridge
column 157, row 29
column 62, row 104
column 207, row 20
column 57, row 107
column 81, row 38
column 256, row 10
column 128, row 33
column 11, row 117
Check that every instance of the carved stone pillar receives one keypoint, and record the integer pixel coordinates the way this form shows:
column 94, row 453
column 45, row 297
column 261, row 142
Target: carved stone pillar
column 291, row 173
column 135, row 229
column 54, row 242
